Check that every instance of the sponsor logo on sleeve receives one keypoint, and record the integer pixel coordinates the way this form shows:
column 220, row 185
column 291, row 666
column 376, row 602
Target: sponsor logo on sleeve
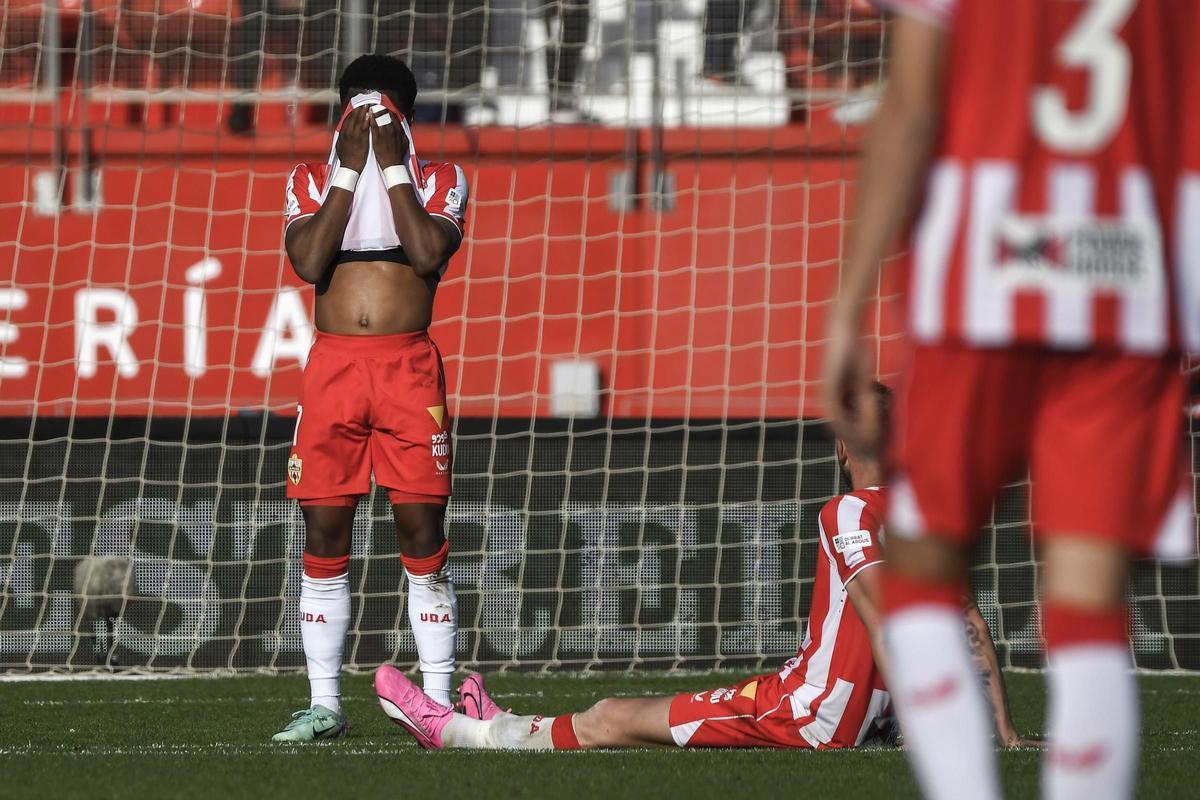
column 852, row 540
column 851, row 545
column 454, row 200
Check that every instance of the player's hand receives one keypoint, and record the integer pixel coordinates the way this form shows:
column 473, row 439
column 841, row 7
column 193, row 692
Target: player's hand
column 353, row 139
column 849, row 399
column 389, row 141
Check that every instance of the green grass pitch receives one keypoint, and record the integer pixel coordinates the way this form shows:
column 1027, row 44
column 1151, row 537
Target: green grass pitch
column 208, row 737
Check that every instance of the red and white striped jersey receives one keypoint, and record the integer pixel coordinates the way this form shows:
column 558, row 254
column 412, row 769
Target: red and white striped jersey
column 836, row 689
column 1062, row 204
column 444, row 194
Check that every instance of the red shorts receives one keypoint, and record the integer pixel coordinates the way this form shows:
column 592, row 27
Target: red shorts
column 371, row 404
column 1101, row 433
column 754, row 713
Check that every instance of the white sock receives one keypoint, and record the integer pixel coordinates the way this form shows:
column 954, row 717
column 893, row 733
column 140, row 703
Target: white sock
column 1092, row 723
column 324, row 620
column 943, row 714
column 433, row 614
column 503, row 732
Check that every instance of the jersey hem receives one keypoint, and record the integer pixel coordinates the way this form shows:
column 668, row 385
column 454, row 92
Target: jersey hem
column 861, row 568
column 297, row 219
column 457, row 225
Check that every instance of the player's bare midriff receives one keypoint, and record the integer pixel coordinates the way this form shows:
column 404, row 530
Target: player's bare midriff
column 373, row 298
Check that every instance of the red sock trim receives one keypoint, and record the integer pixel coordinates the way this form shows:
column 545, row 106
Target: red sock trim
column 562, row 733
column 1063, row 626
column 901, row 592
column 427, row 565
column 323, row 567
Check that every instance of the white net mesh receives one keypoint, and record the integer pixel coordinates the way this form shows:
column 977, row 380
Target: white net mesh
column 659, row 192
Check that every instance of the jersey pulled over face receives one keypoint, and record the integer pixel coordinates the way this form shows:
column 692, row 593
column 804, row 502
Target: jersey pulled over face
column 1063, row 194
column 836, row 690
column 444, row 194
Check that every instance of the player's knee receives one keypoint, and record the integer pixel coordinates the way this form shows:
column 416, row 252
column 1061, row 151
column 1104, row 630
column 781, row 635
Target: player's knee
column 419, row 527
column 327, row 530
column 1084, row 572
column 594, row 727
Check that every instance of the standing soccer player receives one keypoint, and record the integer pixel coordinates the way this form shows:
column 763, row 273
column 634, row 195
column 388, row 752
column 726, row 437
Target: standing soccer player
column 373, row 229
column 1054, row 281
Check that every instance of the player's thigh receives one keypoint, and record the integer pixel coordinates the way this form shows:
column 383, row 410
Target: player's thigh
column 411, row 448
column 1108, row 454
column 329, row 456
column 959, row 431
column 756, row 712
column 625, row 722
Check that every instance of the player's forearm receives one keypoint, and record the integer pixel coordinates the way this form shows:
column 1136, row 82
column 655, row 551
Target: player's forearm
column 893, row 161
column 425, row 242
column 315, row 243
column 983, row 652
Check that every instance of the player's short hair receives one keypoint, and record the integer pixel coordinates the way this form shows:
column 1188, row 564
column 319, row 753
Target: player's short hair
column 380, row 74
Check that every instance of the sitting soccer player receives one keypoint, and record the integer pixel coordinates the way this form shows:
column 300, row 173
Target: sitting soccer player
column 832, row 694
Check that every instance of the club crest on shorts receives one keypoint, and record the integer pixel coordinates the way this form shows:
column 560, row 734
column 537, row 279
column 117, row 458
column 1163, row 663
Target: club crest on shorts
column 295, row 469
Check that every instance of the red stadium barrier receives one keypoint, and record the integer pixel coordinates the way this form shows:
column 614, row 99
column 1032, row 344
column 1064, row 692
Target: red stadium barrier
column 714, row 308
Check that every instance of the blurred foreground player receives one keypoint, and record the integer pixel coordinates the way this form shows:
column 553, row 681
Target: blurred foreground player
column 831, row 695
column 373, row 229
column 1054, row 282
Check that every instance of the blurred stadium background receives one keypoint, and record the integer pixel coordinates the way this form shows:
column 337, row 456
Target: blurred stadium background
column 632, row 332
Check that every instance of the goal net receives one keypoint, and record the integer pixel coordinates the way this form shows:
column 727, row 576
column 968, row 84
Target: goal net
column 632, row 331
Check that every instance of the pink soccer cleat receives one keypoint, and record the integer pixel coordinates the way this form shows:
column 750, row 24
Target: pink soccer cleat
column 410, row 708
column 474, row 699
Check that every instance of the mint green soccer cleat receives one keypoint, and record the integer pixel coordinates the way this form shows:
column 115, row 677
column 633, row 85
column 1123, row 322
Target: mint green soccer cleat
column 312, row 724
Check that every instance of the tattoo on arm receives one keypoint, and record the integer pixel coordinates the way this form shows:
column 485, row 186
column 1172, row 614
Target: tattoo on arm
column 983, row 652
column 975, row 642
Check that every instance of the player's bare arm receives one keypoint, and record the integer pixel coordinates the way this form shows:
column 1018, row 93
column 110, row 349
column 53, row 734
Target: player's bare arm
column 983, row 652
column 313, row 242
column 866, row 591
column 429, row 240
column 893, row 162
column 866, row 595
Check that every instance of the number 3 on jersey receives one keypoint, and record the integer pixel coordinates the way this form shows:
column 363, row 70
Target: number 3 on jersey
column 1092, row 44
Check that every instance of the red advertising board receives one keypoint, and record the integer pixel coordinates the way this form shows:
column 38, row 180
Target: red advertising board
column 175, row 296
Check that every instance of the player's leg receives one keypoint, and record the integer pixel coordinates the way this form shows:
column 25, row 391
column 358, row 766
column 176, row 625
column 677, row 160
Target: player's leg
column 327, row 471
column 1093, row 744
column 432, row 604
column 324, row 617
column 612, row 722
column 1109, row 484
column 956, row 440
column 325, row 597
column 411, row 453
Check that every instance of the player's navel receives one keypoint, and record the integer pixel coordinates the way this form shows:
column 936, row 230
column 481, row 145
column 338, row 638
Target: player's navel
column 363, row 322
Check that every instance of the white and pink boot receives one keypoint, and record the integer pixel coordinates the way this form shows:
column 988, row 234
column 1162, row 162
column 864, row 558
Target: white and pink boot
column 409, row 707
column 474, row 701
